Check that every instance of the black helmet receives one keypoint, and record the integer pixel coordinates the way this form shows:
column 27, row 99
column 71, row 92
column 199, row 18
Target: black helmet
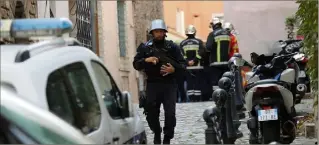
column 219, row 96
column 229, row 75
column 225, row 83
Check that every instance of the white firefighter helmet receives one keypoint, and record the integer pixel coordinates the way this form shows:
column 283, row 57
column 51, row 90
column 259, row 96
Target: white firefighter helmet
column 215, row 20
column 191, row 30
column 229, row 26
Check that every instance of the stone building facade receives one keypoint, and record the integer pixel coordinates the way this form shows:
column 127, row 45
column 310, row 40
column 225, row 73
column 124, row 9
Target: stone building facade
column 10, row 9
column 144, row 12
column 18, row 9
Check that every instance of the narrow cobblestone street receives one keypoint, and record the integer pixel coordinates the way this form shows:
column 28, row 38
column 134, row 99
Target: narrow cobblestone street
column 190, row 127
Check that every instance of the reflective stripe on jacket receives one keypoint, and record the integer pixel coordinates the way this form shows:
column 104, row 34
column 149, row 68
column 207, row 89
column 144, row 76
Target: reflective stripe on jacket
column 218, row 43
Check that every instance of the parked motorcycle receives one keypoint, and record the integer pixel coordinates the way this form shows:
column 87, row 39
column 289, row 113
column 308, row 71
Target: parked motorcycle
column 270, row 102
column 298, row 87
column 292, row 46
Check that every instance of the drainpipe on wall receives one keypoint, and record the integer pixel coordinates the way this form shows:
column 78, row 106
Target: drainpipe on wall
column 93, row 25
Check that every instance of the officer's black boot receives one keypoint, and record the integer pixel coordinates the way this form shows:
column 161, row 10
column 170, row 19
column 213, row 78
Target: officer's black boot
column 166, row 140
column 191, row 98
column 157, row 138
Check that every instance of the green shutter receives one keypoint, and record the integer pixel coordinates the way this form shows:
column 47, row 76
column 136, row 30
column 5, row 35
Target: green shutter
column 121, row 26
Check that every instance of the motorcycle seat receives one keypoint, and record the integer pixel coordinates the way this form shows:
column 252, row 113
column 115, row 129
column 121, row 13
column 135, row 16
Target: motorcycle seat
column 266, row 81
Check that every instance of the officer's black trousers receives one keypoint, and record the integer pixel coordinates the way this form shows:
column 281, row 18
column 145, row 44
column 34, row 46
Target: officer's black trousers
column 158, row 93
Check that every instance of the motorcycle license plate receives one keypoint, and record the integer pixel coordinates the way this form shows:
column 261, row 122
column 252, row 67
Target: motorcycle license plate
column 266, row 115
column 302, row 74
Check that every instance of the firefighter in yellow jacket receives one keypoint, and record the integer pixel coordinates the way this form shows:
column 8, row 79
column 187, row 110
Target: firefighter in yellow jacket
column 191, row 47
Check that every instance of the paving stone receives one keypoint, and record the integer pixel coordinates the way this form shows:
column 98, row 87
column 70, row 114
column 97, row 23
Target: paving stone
column 190, row 126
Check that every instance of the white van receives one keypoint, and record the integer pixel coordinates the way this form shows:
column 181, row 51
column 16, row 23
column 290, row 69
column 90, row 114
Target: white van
column 69, row 80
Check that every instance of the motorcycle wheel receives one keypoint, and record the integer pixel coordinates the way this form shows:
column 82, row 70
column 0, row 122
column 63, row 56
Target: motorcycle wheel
column 270, row 131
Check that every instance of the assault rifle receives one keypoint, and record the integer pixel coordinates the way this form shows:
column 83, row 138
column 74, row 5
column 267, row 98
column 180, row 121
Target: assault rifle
column 164, row 57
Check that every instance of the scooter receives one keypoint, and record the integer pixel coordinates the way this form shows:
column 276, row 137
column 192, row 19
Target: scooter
column 270, row 103
column 298, row 86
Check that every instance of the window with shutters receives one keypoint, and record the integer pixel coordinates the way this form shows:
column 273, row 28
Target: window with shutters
column 121, row 26
column 83, row 23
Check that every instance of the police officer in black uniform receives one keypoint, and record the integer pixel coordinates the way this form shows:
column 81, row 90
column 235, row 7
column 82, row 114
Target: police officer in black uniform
column 191, row 47
column 161, row 80
column 218, row 43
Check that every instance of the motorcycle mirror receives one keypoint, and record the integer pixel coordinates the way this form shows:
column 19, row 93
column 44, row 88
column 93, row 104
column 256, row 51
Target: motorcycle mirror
column 239, row 61
column 299, row 56
column 281, row 43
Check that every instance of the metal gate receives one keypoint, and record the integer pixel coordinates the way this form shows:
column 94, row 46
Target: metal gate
column 83, row 22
